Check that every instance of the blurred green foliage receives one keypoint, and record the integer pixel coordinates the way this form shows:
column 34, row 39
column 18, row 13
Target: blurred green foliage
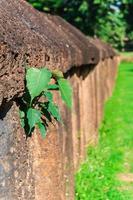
column 127, row 9
column 110, row 20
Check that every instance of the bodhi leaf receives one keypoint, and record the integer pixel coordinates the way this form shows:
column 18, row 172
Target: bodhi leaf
column 49, row 95
column 34, row 117
column 53, row 87
column 42, row 129
column 66, row 91
column 54, row 110
column 44, row 110
column 37, row 80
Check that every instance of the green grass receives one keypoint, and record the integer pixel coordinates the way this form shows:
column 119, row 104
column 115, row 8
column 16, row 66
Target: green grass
column 97, row 178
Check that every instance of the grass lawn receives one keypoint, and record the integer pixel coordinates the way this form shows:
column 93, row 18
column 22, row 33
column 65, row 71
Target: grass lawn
column 107, row 173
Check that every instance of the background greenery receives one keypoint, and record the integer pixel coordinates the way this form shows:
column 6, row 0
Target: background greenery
column 111, row 20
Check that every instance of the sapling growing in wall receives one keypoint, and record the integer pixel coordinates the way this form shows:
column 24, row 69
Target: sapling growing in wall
column 37, row 106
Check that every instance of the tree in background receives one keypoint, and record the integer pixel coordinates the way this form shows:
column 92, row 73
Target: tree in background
column 105, row 19
column 127, row 10
column 111, row 26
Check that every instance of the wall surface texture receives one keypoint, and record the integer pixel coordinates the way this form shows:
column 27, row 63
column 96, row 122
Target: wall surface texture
column 33, row 168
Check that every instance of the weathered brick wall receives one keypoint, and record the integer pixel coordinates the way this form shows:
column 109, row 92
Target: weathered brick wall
column 33, row 168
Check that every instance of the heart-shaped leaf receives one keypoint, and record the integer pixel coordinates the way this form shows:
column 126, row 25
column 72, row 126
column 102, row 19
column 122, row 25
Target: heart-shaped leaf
column 34, row 117
column 37, row 80
column 53, row 87
column 49, row 95
column 66, row 91
column 42, row 129
column 54, row 110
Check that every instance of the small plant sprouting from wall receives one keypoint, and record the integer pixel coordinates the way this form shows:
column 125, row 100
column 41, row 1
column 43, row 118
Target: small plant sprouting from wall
column 37, row 107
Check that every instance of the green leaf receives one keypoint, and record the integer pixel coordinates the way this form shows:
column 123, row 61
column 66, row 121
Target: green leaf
column 53, row 87
column 44, row 110
column 22, row 116
column 34, row 117
column 49, row 95
column 37, row 81
column 54, row 110
column 42, row 129
column 97, row 1
column 66, row 91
